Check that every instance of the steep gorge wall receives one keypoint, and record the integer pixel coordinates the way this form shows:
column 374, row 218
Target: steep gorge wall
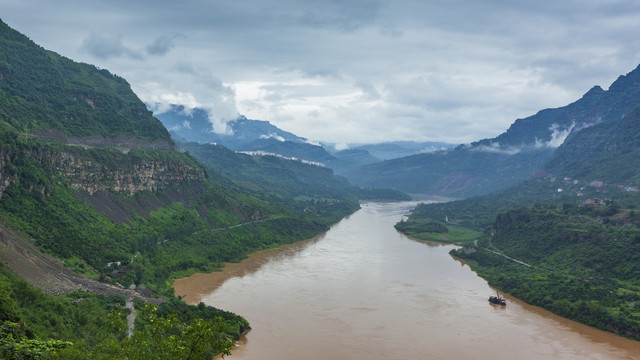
column 6, row 177
column 129, row 176
column 104, row 170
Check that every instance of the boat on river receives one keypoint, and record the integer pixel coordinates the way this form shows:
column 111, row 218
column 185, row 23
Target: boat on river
column 498, row 300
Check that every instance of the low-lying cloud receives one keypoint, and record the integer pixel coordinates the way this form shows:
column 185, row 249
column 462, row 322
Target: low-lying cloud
column 353, row 71
column 104, row 47
column 496, row 148
column 272, row 136
column 558, row 136
column 163, row 44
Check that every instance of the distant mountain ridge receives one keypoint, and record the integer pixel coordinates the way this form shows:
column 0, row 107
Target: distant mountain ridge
column 492, row 164
column 89, row 175
column 398, row 149
column 193, row 125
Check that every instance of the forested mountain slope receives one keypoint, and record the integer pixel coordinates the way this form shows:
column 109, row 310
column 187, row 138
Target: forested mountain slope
column 583, row 262
column 40, row 89
column 310, row 186
column 609, row 152
column 88, row 176
column 523, row 150
column 597, row 162
column 573, row 229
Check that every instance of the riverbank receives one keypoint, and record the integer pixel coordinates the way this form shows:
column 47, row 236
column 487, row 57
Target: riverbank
column 363, row 289
column 192, row 288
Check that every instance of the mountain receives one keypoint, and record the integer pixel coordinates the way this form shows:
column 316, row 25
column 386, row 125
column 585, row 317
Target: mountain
column 492, row 164
column 573, row 229
column 398, row 149
column 608, row 152
column 70, row 97
column 118, row 180
column 349, row 158
column 97, row 206
column 290, row 149
column 193, row 125
column 596, row 162
column 269, row 175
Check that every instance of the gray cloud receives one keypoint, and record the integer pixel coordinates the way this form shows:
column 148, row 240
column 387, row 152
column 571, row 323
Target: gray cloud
column 163, row 44
column 350, row 70
column 103, row 47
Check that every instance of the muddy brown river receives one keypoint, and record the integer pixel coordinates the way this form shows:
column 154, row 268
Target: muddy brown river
column 365, row 291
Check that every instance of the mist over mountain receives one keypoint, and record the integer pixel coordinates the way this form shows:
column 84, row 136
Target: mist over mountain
column 192, row 124
column 242, row 134
column 492, row 164
column 398, row 149
column 97, row 198
column 98, row 204
column 608, row 152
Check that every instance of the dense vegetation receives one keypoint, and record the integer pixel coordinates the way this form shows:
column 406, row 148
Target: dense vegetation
column 271, row 174
column 41, row 90
column 575, row 223
column 207, row 225
column 584, row 262
column 142, row 217
column 607, row 152
column 382, row 195
column 94, row 326
column 272, row 178
column 489, row 165
column 480, row 212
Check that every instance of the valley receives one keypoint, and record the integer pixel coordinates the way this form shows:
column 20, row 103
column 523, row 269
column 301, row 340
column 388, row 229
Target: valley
column 363, row 289
column 109, row 205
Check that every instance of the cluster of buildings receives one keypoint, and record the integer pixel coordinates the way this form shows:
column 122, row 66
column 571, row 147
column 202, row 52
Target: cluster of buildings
column 598, row 185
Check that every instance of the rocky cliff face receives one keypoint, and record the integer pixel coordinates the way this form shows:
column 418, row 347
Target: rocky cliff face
column 6, row 177
column 104, row 170
column 129, row 176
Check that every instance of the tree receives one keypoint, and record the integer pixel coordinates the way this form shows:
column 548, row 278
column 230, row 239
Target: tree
column 157, row 337
column 15, row 346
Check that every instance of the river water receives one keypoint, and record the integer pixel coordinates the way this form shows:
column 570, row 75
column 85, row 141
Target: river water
column 365, row 291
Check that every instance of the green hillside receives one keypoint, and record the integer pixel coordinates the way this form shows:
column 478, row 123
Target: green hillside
column 274, row 178
column 96, row 204
column 609, row 152
column 272, row 174
column 89, row 177
column 490, row 165
column 40, row 89
column 583, row 262
column 94, row 326
column 575, row 224
column 600, row 161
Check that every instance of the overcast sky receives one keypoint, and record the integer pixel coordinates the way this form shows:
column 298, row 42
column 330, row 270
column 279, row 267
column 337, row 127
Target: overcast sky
column 349, row 70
